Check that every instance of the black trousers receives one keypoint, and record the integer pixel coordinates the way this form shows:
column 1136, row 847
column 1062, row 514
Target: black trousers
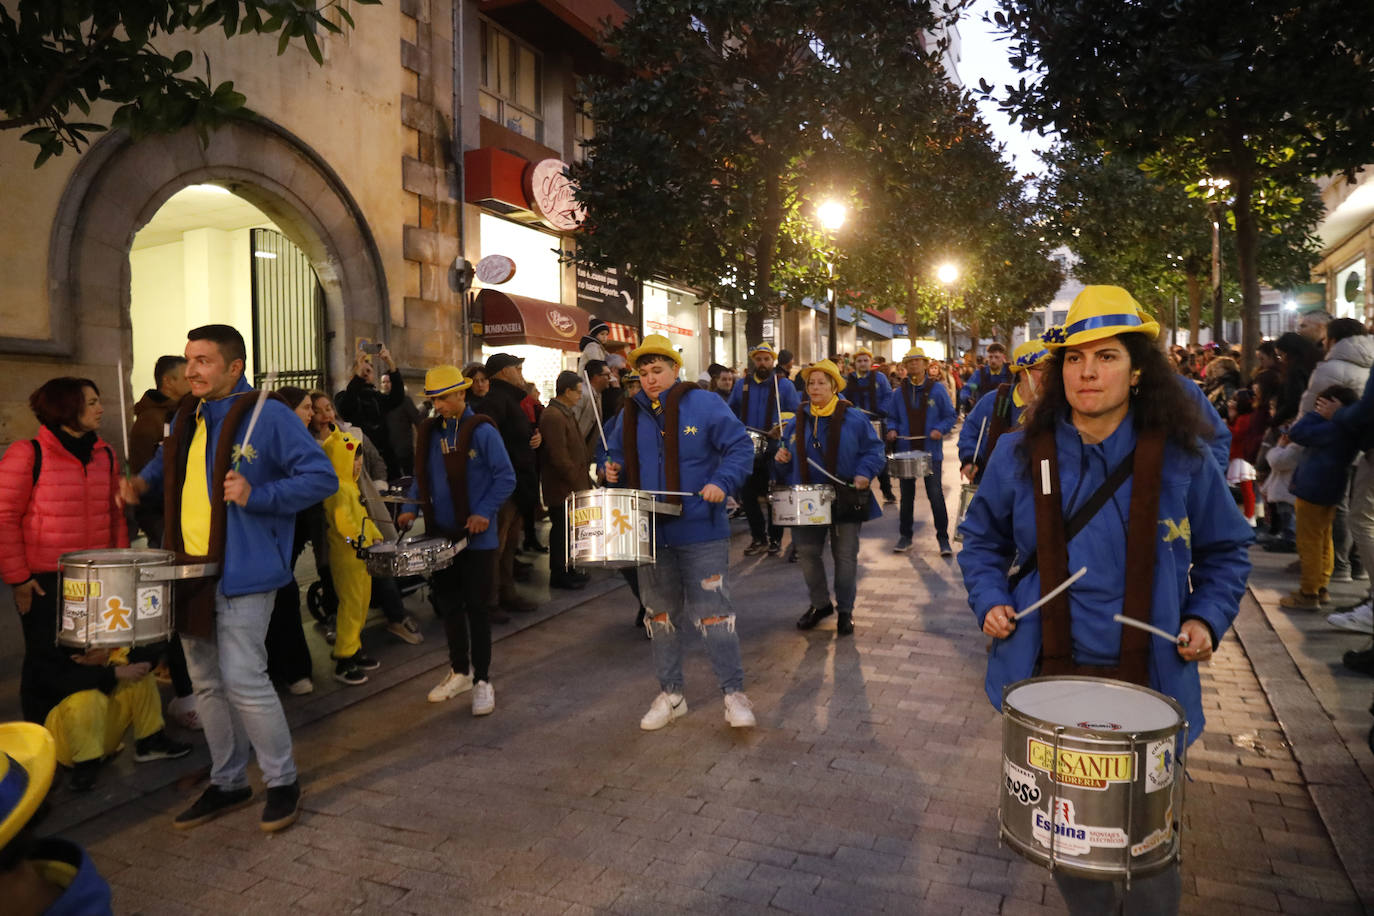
column 288, row 654
column 558, row 539
column 756, row 488
column 460, row 596
column 938, row 513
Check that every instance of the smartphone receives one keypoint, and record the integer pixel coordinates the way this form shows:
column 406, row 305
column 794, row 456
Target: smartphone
column 370, row 348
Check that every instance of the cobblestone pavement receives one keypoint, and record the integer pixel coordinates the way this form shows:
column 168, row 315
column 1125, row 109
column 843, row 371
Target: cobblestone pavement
column 870, row 784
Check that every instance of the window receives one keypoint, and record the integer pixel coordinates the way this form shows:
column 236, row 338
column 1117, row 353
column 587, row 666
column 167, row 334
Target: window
column 583, row 129
column 512, row 83
column 1059, row 316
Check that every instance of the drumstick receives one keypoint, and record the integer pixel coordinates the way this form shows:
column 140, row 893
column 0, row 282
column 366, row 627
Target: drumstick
column 777, row 398
column 123, row 417
column 981, row 429
column 596, row 411
column 818, row 466
column 1181, row 639
column 253, row 420
column 670, row 492
column 1059, row 588
column 911, row 437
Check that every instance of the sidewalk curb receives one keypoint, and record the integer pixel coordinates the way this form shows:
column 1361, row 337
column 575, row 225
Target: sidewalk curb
column 1339, row 789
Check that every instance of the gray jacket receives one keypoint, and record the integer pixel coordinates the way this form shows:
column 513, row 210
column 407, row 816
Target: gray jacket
column 1347, row 364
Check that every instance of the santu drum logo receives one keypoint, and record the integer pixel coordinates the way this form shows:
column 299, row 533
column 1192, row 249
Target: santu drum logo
column 1079, row 768
column 562, row 323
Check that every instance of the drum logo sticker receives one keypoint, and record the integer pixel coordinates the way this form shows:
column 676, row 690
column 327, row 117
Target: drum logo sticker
column 80, row 589
column 1021, row 784
column 1159, row 765
column 1101, row 726
column 620, row 522
column 149, row 603
column 644, row 535
column 1079, row 768
column 1156, row 838
column 116, row 615
column 586, row 515
column 1071, row 837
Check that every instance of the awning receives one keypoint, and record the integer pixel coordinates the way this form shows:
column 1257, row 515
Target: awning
column 623, row 333
column 508, row 319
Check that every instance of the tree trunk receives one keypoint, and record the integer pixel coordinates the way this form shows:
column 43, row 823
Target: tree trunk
column 1247, row 246
column 764, row 255
column 1194, row 305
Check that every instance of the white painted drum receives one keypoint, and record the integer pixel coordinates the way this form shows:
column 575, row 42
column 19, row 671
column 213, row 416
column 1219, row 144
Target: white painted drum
column 803, row 505
column 910, row 465
column 107, row 603
column 613, row 528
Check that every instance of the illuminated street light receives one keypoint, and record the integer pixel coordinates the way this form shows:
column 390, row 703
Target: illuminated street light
column 832, row 215
column 947, row 273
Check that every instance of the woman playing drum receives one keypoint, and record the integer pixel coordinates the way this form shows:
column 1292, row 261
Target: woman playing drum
column 839, row 437
column 1166, row 546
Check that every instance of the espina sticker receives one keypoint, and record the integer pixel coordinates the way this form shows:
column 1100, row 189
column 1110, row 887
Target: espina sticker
column 1071, row 837
column 1079, row 768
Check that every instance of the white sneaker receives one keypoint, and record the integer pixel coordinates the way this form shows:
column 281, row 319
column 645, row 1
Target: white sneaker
column 452, row 685
column 483, row 699
column 182, row 711
column 301, row 688
column 1359, row 619
column 739, row 712
column 665, row 708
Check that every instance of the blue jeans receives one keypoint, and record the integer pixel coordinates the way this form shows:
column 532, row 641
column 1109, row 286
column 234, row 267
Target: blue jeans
column 844, row 550
column 687, row 584
column 935, row 492
column 234, row 697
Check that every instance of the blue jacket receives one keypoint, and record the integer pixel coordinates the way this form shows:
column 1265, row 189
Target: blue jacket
column 973, row 424
column 1323, row 470
column 861, row 452
column 758, row 414
column 491, row 481
column 1220, row 442
column 939, row 415
column 1358, row 418
column 857, row 392
column 712, row 448
column 1200, row 569
column 290, row 473
column 87, row 894
column 982, row 381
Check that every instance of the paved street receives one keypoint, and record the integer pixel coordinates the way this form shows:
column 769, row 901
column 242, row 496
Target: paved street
column 870, row 784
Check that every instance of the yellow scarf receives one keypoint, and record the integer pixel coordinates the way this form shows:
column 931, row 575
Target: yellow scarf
column 828, row 409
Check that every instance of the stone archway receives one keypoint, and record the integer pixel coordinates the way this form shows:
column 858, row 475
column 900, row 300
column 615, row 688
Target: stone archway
column 119, row 186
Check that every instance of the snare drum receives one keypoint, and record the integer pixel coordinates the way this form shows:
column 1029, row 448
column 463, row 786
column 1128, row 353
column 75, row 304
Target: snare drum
column 966, row 493
column 411, row 558
column 910, row 465
column 613, row 528
column 1092, row 776
column 760, row 444
column 802, row 505
column 119, row 597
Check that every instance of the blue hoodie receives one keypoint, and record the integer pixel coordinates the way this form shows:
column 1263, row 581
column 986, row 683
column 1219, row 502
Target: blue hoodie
column 712, row 448
column 857, row 392
column 1322, row 472
column 939, row 415
column 973, row 428
column 290, row 473
column 491, row 480
column 1200, row 569
column 860, row 455
column 760, row 413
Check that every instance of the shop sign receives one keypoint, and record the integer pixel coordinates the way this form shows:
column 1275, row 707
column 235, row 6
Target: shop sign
column 606, row 293
column 495, row 269
column 551, row 194
column 668, row 328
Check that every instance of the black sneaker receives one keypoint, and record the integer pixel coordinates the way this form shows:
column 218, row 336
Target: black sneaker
column 945, row 549
column 83, row 775
column 1362, row 661
column 775, row 548
column 282, row 808
column 365, row 662
column 813, row 616
column 903, row 545
column 755, row 548
column 844, row 624
column 211, row 804
column 346, row 672
column 158, row 746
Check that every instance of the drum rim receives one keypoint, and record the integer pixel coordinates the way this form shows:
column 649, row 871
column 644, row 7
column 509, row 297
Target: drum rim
column 802, row 487
column 1038, row 855
column 1094, row 735
column 141, row 556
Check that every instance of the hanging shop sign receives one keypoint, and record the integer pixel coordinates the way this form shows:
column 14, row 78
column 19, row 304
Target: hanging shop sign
column 551, row 194
column 495, row 269
column 606, row 293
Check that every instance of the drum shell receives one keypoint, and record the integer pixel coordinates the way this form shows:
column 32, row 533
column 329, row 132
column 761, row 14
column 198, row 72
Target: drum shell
column 910, row 465
column 411, row 558
column 1093, row 833
column 801, row 506
column 103, row 587
column 610, row 528
column 760, row 443
column 966, row 494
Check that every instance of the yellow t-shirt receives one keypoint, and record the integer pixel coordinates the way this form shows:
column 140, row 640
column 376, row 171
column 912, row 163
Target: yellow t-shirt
column 195, row 496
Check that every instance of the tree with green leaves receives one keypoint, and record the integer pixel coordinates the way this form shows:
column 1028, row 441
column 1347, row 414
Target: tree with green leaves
column 57, row 60
column 1264, row 98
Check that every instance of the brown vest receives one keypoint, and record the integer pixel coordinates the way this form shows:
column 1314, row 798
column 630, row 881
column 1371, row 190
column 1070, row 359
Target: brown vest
column 916, row 413
column 194, row 599
column 770, row 412
column 832, row 442
column 672, row 470
column 1056, row 642
column 1001, row 422
column 455, row 469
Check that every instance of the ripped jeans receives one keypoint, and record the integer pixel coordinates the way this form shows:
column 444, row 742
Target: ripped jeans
column 689, row 585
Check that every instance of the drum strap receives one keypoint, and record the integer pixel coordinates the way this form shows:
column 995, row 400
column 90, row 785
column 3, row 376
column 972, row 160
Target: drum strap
column 1001, row 422
column 194, row 599
column 864, row 391
column 915, row 413
column 672, row 469
column 770, row 409
column 1056, row 646
column 455, row 469
column 834, row 434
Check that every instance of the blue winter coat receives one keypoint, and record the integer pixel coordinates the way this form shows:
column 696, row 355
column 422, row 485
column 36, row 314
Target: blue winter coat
column 861, row 452
column 1219, row 444
column 491, row 480
column 1200, row 570
column 974, row 424
column 1323, row 470
column 939, row 415
column 712, row 448
column 1358, row 418
column 758, row 412
column 869, row 393
column 289, row 473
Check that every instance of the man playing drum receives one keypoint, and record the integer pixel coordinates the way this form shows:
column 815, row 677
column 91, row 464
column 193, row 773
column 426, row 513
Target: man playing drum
column 1000, row 411
column 841, row 439
column 234, row 504
column 462, row 477
column 674, row 436
column 1165, row 546
column 869, row 390
column 919, row 416
column 759, row 400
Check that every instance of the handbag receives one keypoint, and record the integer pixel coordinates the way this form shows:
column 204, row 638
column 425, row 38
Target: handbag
column 851, row 503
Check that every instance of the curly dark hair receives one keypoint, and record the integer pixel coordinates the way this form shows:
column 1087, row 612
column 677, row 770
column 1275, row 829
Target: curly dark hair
column 1158, row 401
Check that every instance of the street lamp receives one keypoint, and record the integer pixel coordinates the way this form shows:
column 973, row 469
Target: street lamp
column 1214, row 187
column 947, row 274
column 832, row 214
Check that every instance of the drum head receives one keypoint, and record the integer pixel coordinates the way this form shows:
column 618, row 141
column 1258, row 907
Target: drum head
column 1095, row 704
column 119, row 556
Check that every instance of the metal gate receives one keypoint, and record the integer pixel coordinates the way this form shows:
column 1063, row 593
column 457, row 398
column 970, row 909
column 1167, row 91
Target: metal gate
column 288, row 313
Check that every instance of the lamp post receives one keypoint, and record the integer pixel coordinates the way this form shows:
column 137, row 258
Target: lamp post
column 1214, row 188
column 947, row 274
column 832, row 214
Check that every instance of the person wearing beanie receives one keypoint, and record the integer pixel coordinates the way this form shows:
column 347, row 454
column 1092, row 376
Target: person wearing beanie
column 593, row 344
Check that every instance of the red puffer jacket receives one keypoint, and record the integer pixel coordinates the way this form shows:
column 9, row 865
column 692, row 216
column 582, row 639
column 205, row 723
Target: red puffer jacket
column 72, row 506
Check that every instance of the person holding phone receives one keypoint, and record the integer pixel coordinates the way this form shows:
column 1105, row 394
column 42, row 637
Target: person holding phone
column 366, row 406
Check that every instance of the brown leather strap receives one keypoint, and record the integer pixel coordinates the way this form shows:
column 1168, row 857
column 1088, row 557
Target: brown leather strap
column 834, row 433
column 868, row 387
column 1001, row 422
column 916, row 414
column 770, row 411
column 1142, row 542
column 671, row 402
column 629, row 442
column 1056, row 643
column 455, row 468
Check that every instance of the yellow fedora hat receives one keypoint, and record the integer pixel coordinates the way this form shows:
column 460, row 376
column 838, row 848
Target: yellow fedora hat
column 829, row 368
column 28, row 758
column 442, row 379
column 1098, row 312
column 1031, row 353
column 655, row 345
